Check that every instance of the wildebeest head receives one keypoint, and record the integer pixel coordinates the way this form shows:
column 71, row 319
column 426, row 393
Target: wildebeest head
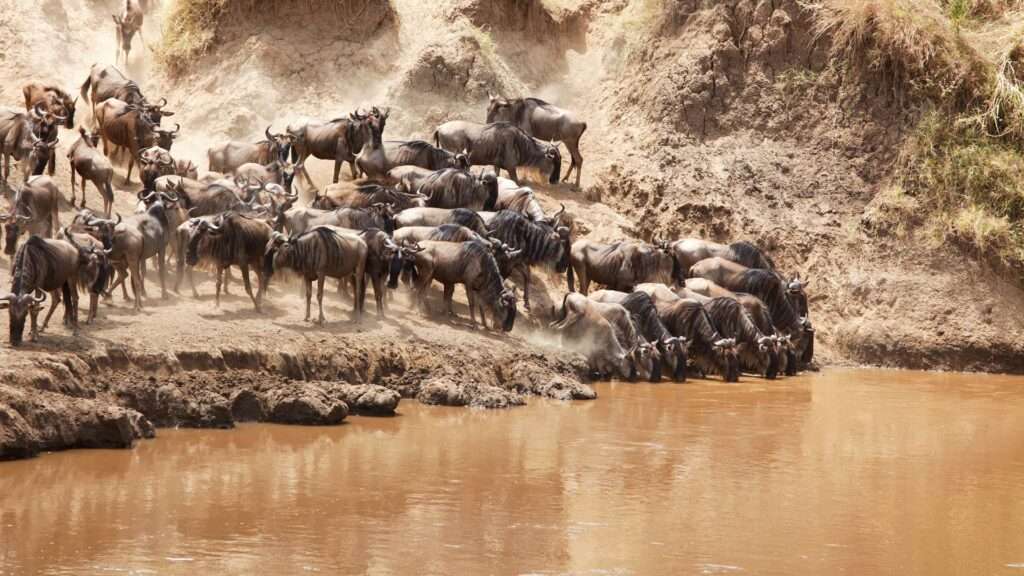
column 38, row 155
column 727, row 358
column 14, row 221
column 198, row 229
column 674, row 351
column 100, row 228
column 154, row 162
column 403, row 258
column 552, row 162
column 376, row 121
column 768, row 349
column 279, row 253
column 165, row 138
column 505, row 308
column 93, row 263
column 499, row 109
column 280, row 144
column 645, row 356
column 386, row 212
column 19, row 306
column 124, row 34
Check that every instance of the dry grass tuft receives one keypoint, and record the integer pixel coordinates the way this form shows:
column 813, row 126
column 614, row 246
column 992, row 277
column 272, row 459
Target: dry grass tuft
column 910, row 46
column 189, row 31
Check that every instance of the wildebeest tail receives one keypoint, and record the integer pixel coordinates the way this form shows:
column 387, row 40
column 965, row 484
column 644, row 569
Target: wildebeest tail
column 563, row 312
column 66, row 290
column 437, row 139
column 570, row 277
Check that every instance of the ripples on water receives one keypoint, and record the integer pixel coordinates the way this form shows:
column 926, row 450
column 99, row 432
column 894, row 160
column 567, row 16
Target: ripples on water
column 859, row 472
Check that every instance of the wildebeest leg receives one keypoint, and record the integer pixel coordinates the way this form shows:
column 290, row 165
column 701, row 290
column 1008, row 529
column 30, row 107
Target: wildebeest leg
column 93, row 304
column 577, row 160
column 449, row 291
column 73, row 187
column 470, row 298
column 131, row 163
column 220, row 281
column 307, row 286
column 54, row 301
column 320, row 298
column 338, row 159
column 136, row 279
column 72, row 313
column 378, row 294
column 248, row 285
column 51, row 165
column 34, row 314
column 106, row 207
column 162, row 265
column 360, row 280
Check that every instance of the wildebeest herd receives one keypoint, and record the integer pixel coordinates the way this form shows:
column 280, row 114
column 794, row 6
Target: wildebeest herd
column 414, row 213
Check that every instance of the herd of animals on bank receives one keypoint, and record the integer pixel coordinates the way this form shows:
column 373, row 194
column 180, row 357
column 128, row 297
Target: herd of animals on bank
column 414, row 213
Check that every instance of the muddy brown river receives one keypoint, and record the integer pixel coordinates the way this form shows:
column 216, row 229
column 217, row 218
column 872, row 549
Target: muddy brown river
column 845, row 472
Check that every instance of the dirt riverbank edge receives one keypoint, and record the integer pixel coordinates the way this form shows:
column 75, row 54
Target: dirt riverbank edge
column 112, row 397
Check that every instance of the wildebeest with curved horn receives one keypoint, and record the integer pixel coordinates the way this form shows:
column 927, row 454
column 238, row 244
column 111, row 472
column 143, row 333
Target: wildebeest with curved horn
column 757, row 351
column 339, row 140
column 506, row 147
column 34, row 209
column 91, row 166
column 643, row 355
column 372, row 159
column 320, row 253
column 139, row 237
column 93, row 267
column 443, row 233
column 21, row 138
column 671, row 349
column 543, row 121
column 202, row 200
column 132, row 127
column 620, row 265
column 45, row 266
column 457, row 188
column 106, row 82
column 234, row 240
column 346, row 195
column 226, row 158
column 56, row 101
column 473, row 265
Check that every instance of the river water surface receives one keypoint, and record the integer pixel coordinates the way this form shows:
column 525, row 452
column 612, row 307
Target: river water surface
column 844, row 472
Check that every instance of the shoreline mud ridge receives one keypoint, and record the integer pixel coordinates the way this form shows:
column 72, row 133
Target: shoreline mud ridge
column 110, row 398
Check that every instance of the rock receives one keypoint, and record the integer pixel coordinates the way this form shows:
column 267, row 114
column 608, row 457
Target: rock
column 17, row 438
column 247, row 406
column 109, row 427
column 369, row 398
column 305, row 404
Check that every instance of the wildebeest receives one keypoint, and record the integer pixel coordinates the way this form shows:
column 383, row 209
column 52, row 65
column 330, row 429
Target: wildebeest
column 372, row 159
column 506, row 147
column 348, row 195
column 56, row 101
column 709, row 350
column 320, row 253
column 106, row 82
column 643, row 355
column 444, row 232
column 589, row 333
column 620, row 265
column 92, row 166
column 20, row 139
column 277, row 172
column 408, row 178
column 154, row 162
column 543, row 121
column 139, row 237
column 205, row 199
column 757, row 351
column 472, row 265
column 128, row 22
column 45, row 266
column 672, row 349
column 438, row 216
column 689, row 251
column 34, row 209
column 339, row 140
column 457, row 188
column 226, row 158
column 542, row 243
column 235, row 240
column 458, row 135
column 133, row 128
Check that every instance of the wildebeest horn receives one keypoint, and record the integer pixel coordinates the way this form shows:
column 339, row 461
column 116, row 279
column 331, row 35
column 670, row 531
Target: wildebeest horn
column 38, row 111
column 161, row 103
column 177, row 128
column 39, row 298
column 118, row 214
column 515, row 253
column 59, row 118
column 558, row 215
column 169, row 196
column 270, row 137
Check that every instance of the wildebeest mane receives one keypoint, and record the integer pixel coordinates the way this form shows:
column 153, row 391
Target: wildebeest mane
column 768, row 287
column 436, row 158
column 34, row 261
column 242, row 240
column 732, row 320
column 644, row 314
column 491, row 283
column 518, row 231
column 749, row 255
column 450, row 233
column 688, row 318
column 469, row 219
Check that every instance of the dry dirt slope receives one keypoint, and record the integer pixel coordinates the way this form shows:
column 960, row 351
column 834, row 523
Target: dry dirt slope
column 710, row 118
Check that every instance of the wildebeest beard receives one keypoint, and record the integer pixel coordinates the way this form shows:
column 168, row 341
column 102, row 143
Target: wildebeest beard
column 11, row 238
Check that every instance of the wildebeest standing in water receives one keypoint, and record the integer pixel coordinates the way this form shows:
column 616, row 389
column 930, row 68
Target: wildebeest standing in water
column 543, row 121
column 128, row 22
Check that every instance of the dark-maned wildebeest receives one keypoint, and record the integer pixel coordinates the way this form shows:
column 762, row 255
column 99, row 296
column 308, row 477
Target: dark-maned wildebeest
column 762, row 318
column 106, row 82
column 339, row 140
column 520, row 199
column 473, row 265
column 55, row 100
column 299, row 219
column 380, row 250
column 709, row 350
column 543, row 121
column 226, row 158
column 590, row 334
column 671, row 349
column 128, row 22
column 642, row 355
column 620, row 265
column 457, row 188
column 200, row 199
column 92, row 166
column 689, row 251
column 41, row 266
column 34, row 210
column 438, row 216
column 320, row 253
column 136, row 239
column 506, row 147
column 20, row 139
column 132, row 127
column 458, row 135
column 235, row 240
column 423, row 154
column 757, row 351
column 542, row 243
column 764, row 284
column 154, row 162
column 93, row 267
column 408, row 178
column 348, row 195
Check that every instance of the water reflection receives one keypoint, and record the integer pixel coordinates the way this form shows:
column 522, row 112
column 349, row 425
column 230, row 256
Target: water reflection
column 845, row 472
